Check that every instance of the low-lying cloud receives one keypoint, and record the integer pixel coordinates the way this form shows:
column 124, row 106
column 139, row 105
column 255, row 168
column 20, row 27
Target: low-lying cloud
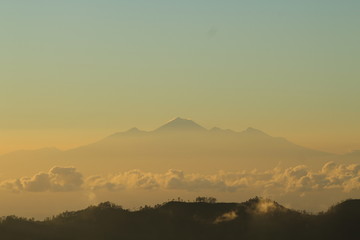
column 299, row 179
column 294, row 179
column 226, row 217
column 58, row 179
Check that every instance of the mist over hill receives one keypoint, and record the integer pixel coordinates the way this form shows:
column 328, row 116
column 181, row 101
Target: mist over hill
column 256, row 218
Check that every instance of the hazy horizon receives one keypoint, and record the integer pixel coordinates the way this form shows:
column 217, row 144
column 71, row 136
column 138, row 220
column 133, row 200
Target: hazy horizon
column 30, row 138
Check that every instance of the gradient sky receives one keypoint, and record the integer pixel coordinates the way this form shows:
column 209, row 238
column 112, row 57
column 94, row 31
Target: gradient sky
column 74, row 71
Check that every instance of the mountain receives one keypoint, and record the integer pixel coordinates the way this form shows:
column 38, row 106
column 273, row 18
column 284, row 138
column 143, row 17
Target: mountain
column 186, row 145
column 181, row 144
column 131, row 132
column 256, row 218
column 180, row 125
column 351, row 157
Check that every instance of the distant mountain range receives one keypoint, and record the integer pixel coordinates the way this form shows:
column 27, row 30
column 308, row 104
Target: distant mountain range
column 180, row 143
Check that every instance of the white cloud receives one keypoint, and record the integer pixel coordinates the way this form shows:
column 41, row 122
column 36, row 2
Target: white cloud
column 265, row 206
column 299, row 180
column 58, row 179
column 226, row 217
column 294, row 179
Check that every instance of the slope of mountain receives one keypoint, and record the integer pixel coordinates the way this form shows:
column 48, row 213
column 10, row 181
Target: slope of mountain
column 185, row 145
column 181, row 144
column 351, row 157
column 180, row 124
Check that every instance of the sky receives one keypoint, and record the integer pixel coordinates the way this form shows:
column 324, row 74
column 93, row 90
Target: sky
column 75, row 71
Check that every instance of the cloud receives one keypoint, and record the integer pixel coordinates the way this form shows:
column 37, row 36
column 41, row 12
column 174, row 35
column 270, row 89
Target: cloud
column 176, row 179
column 265, row 206
column 172, row 180
column 58, row 179
column 226, row 217
column 298, row 179
column 134, row 179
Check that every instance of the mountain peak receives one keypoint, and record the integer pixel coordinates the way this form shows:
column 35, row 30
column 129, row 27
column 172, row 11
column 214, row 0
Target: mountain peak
column 180, row 124
column 131, row 132
column 216, row 129
column 254, row 131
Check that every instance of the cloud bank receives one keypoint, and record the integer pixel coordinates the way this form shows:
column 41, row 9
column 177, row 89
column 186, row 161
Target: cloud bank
column 299, row 179
column 58, row 179
column 294, row 179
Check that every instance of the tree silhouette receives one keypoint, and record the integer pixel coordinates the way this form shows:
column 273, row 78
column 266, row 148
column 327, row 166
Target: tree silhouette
column 179, row 220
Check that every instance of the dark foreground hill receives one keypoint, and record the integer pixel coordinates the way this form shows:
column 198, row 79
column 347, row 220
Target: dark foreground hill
column 203, row 219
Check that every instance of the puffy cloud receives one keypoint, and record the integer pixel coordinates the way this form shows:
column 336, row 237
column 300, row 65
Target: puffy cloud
column 226, row 217
column 176, row 179
column 299, row 180
column 134, row 179
column 172, row 180
column 265, row 206
column 58, row 179
column 352, row 185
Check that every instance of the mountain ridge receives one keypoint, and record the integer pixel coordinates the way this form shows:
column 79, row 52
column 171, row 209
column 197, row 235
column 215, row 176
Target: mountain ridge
column 204, row 218
column 179, row 143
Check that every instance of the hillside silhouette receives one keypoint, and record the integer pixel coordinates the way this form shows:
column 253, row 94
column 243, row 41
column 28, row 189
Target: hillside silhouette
column 256, row 218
